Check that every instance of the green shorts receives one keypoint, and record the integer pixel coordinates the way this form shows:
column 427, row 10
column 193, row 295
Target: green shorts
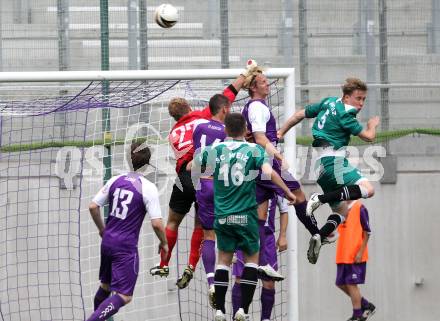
column 335, row 172
column 238, row 231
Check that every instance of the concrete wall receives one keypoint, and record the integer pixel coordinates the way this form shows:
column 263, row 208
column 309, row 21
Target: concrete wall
column 404, row 221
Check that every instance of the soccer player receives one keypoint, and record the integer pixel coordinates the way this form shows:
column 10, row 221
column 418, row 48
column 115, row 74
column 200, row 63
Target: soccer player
column 204, row 135
column 351, row 259
column 183, row 193
column 334, row 124
column 130, row 196
column 268, row 290
column 234, row 165
column 261, row 123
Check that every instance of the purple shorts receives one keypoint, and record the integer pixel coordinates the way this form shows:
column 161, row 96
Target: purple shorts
column 270, row 252
column 266, row 188
column 351, row 273
column 205, row 199
column 120, row 269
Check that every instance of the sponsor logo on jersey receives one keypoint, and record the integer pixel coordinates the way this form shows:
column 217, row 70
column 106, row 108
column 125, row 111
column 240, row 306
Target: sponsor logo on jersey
column 237, row 220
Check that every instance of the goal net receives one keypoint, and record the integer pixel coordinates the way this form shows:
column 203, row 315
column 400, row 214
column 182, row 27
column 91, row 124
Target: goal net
column 62, row 135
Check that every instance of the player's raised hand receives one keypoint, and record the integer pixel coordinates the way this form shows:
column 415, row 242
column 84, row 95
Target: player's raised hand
column 163, row 251
column 252, row 69
column 290, row 197
column 373, row 122
column 251, row 65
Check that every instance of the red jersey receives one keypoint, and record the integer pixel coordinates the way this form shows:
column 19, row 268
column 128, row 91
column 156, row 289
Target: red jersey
column 180, row 136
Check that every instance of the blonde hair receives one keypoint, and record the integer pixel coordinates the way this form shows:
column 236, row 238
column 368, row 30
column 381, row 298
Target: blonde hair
column 352, row 84
column 178, row 107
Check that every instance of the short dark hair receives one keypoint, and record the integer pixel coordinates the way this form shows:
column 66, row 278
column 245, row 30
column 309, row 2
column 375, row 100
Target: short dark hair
column 235, row 124
column 140, row 155
column 217, row 102
column 352, row 84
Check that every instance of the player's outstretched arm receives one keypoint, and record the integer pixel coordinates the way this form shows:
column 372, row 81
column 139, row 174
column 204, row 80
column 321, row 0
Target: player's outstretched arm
column 159, row 230
column 369, row 134
column 267, row 170
column 95, row 212
column 261, row 139
column 296, row 118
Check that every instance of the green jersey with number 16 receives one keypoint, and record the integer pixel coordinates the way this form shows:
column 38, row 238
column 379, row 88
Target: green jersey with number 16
column 335, row 122
column 235, row 166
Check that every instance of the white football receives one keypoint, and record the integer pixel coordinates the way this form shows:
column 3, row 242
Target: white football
column 166, row 15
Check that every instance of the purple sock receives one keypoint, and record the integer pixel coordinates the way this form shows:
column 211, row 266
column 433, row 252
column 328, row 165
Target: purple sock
column 208, row 258
column 107, row 308
column 236, row 297
column 262, row 231
column 357, row 313
column 100, row 296
column 267, row 302
column 364, row 303
column 308, row 221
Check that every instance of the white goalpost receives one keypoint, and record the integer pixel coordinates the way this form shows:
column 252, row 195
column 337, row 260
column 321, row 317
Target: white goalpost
column 61, row 134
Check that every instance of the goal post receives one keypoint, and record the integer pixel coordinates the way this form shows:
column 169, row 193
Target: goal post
column 131, row 89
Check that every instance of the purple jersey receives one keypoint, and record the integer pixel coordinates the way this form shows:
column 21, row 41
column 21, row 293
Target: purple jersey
column 206, row 134
column 259, row 118
column 365, row 222
column 130, row 197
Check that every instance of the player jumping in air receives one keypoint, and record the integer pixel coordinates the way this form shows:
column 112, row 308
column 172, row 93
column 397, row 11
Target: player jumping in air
column 234, row 165
column 204, row 135
column 335, row 122
column 130, row 196
column 261, row 123
column 183, row 194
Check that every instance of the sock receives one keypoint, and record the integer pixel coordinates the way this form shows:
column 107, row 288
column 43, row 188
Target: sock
column 221, row 280
column 236, row 297
column 262, row 232
column 332, row 223
column 267, row 302
column 345, row 193
column 196, row 243
column 308, row 221
column 107, row 308
column 100, row 296
column 208, row 258
column 171, row 238
column 364, row 303
column 248, row 284
column 357, row 313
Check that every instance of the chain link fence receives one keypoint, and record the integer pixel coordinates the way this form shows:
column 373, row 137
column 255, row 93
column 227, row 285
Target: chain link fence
column 381, row 41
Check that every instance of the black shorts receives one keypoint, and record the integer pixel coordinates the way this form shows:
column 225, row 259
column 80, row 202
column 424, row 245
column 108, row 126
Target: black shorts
column 183, row 194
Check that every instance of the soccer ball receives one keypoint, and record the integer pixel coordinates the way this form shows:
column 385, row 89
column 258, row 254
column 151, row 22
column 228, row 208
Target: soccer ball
column 166, row 15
